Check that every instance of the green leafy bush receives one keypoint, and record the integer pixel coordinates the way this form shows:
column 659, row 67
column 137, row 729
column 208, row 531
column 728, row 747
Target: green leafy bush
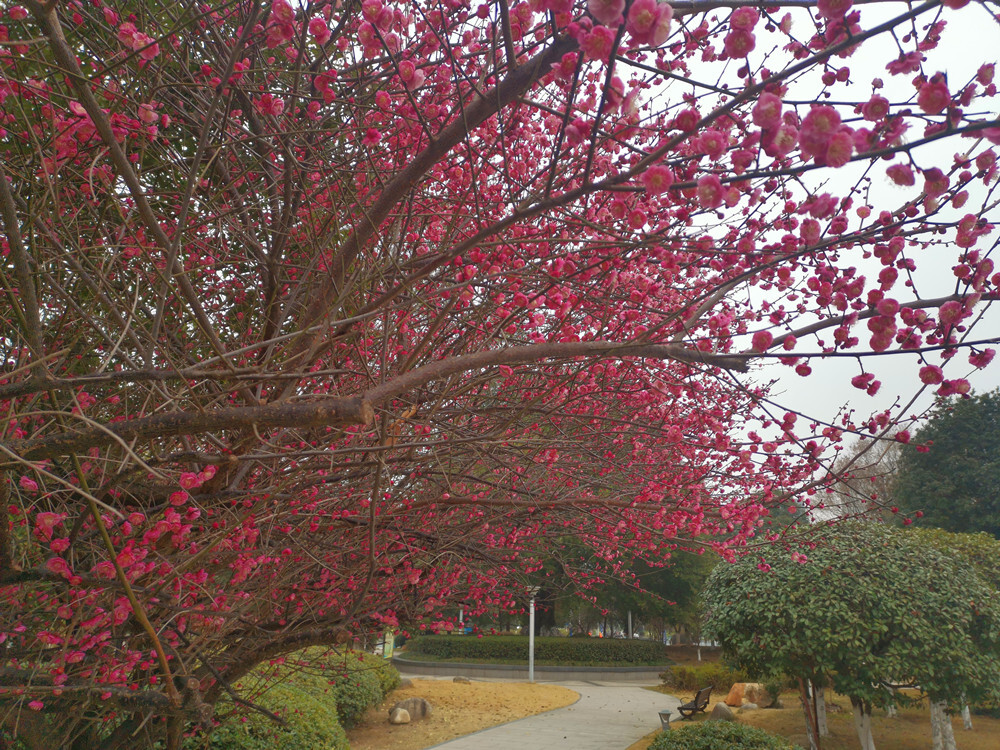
column 352, row 681
column 355, row 693
column 569, row 651
column 310, row 725
column 716, row 674
column 774, row 686
column 986, row 708
column 318, row 693
column 719, row 735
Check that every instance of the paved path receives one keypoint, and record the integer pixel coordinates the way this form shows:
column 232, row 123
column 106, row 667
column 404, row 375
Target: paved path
column 608, row 716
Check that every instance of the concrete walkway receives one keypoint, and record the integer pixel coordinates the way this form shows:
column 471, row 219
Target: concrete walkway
column 608, row 716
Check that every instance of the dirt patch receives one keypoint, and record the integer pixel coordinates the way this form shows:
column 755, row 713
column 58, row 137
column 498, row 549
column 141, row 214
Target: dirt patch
column 458, row 709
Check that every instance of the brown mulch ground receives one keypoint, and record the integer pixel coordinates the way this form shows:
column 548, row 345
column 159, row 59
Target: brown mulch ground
column 458, row 709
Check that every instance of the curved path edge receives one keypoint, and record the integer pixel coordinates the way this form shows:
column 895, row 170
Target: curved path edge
column 446, row 743
column 412, row 667
column 606, row 716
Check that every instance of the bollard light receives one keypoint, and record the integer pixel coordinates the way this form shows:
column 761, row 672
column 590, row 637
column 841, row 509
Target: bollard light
column 665, row 719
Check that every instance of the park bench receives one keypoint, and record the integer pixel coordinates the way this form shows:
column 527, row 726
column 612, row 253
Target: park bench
column 700, row 703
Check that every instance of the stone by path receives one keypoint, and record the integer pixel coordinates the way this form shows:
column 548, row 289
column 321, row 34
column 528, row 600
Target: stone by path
column 608, row 716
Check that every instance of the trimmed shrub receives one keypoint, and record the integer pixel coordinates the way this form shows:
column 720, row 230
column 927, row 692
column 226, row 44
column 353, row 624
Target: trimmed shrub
column 985, row 708
column 719, row 735
column 718, row 675
column 318, row 694
column 570, row 651
column 774, row 686
column 311, row 725
column 355, row 693
column 353, row 681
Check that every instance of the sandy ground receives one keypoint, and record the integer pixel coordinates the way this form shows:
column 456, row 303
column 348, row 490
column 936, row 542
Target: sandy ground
column 458, row 709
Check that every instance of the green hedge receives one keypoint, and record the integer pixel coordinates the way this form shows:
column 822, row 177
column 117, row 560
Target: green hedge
column 310, row 725
column 713, row 673
column 318, row 693
column 569, row 651
column 719, row 735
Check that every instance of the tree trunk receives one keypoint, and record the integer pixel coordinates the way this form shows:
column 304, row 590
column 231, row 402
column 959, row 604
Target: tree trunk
column 814, row 743
column 863, row 724
column 966, row 716
column 942, row 734
column 819, row 701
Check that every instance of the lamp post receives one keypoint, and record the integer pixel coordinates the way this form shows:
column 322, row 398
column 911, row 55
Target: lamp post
column 533, row 591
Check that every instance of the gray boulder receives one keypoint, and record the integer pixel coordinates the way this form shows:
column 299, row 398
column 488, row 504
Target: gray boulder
column 722, row 712
column 399, row 716
column 463, row 680
column 417, row 708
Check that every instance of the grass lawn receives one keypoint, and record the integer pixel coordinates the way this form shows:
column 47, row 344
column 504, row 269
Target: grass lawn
column 910, row 730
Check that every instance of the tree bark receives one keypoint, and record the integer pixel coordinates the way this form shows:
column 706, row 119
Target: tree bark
column 814, row 742
column 819, row 700
column 863, row 725
column 942, row 733
column 966, row 716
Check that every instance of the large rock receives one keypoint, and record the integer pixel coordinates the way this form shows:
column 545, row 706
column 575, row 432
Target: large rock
column 754, row 692
column 417, row 708
column 747, row 692
column 722, row 712
column 735, row 697
column 405, row 682
column 463, row 680
column 399, row 716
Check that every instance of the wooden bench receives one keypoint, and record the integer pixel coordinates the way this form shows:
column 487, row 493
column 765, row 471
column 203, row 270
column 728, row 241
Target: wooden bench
column 700, row 703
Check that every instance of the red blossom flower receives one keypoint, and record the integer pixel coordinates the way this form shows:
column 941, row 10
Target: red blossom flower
column 934, row 97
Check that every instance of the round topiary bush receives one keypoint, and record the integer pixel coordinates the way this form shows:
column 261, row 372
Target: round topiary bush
column 719, row 735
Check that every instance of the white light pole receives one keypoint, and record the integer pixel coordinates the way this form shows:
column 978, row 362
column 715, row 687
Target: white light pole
column 531, row 634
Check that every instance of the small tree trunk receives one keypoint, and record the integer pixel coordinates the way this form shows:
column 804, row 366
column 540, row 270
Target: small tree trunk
column 810, row 716
column 942, row 733
column 819, row 699
column 936, row 743
column 699, row 651
column 863, row 724
column 966, row 716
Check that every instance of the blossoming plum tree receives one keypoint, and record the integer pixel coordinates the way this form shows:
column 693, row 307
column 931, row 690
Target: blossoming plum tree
column 320, row 316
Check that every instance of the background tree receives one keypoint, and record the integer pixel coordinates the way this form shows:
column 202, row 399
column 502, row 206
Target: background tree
column 950, row 473
column 982, row 552
column 865, row 475
column 866, row 604
column 321, row 317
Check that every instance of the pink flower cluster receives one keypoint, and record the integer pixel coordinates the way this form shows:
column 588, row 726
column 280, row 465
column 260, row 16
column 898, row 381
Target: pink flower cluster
column 648, row 21
column 145, row 45
column 740, row 41
column 824, row 138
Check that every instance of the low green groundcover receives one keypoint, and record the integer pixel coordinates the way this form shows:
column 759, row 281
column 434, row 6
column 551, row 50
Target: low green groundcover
column 548, row 651
column 719, row 735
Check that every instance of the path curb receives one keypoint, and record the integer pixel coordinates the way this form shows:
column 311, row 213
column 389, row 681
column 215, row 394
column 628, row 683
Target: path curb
column 504, row 671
